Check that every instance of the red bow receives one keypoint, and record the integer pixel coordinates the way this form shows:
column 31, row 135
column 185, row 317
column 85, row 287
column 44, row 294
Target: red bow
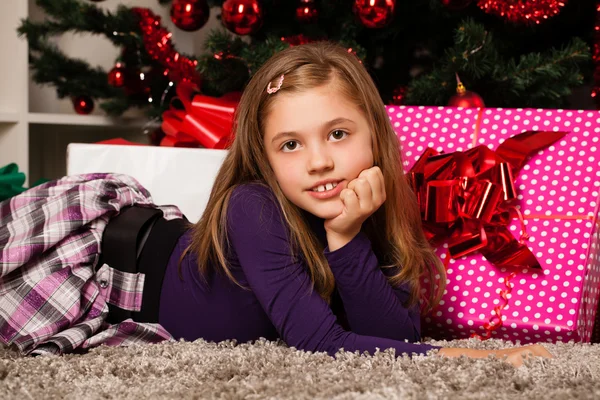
column 466, row 198
column 203, row 120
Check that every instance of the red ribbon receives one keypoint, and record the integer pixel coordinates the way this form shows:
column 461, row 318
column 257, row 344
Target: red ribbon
column 495, row 321
column 203, row 120
column 466, row 198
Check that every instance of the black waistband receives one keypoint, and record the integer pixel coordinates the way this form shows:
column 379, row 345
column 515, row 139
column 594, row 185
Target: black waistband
column 120, row 243
column 153, row 262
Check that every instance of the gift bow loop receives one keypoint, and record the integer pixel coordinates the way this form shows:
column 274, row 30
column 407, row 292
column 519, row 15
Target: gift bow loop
column 196, row 118
column 466, row 198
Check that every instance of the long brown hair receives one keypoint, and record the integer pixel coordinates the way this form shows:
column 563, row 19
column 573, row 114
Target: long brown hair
column 394, row 229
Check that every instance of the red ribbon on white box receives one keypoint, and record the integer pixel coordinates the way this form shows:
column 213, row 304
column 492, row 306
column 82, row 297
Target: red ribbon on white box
column 203, row 120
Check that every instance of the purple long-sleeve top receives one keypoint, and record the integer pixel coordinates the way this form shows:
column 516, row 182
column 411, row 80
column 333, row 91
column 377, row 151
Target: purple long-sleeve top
column 365, row 312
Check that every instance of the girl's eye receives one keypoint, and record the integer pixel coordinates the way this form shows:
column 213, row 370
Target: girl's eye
column 338, row 134
column 287, row 147
column 291, row 145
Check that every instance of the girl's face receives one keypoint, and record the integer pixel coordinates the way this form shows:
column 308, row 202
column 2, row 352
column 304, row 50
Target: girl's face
column 316, row 136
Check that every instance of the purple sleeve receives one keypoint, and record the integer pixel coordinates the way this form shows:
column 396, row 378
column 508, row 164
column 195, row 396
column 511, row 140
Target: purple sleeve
column 283, row 287
column 373, row 307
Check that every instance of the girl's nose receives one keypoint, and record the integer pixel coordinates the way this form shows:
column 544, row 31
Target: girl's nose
column 319, row 160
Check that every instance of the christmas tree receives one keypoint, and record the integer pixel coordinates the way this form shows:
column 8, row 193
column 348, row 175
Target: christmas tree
column 513, row 53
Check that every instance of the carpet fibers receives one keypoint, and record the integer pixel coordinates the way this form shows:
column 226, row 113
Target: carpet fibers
column 272, row 370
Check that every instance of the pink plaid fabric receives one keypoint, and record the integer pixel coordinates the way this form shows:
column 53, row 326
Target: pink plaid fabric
column 53, row 298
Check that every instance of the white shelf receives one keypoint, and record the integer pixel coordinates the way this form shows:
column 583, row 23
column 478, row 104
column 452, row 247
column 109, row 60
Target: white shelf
column 87, row 120
column 8, row 117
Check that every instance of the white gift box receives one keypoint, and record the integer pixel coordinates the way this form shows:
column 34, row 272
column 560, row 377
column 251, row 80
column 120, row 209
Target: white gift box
column 180, row 176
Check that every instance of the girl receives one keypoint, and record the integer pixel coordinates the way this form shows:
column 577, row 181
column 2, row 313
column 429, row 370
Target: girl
column 311, row 233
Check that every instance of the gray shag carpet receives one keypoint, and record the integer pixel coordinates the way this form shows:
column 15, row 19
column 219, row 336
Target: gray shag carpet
column 272, row 370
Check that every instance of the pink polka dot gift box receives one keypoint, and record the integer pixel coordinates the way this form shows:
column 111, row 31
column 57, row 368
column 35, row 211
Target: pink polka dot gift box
column 554, row 220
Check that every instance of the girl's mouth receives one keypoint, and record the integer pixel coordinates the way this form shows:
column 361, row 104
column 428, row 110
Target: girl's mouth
column 330, row 191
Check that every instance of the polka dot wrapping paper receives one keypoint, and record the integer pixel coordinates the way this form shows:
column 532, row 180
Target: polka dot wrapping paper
column 558, row 302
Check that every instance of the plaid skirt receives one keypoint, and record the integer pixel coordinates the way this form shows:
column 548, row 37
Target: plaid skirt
column 53, row 296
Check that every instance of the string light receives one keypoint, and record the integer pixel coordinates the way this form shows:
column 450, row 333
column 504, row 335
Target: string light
column 152, row 122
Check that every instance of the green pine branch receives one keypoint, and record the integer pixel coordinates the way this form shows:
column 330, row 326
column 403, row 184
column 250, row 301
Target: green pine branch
column 78, row 16
column 74, row 77
column 545, row 78
column 535, row 80
column 487, row 63
column 239, row 60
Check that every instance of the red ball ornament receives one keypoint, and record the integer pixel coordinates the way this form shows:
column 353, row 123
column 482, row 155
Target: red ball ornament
column 374, row 13
column 465, row 98
column 83, row 105
column 307, row 12
column 456, row 4
column 189, row 15
column 522, row 11
column 243, row 17
column 116, row 76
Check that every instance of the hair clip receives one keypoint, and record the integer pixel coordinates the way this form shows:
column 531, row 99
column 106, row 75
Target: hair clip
column 273, row 90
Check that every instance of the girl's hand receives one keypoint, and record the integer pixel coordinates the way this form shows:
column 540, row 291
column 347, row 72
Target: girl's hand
column 515, row 355
column 361, row 198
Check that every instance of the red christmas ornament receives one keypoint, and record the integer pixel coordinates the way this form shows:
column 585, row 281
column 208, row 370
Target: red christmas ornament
column 243, row 17
column 465, row 98
column 116, row 76
column 456, row 4
column 399, row 95
column 374, row 13
column 83, row 105
column 522, row 11
column 307, row 12
column 189, row 15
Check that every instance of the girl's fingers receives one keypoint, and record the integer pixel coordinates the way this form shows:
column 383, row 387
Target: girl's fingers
column 382, row 187
column 375, row 178
column 350, row 200
column 363, row 190
column 378, row 186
